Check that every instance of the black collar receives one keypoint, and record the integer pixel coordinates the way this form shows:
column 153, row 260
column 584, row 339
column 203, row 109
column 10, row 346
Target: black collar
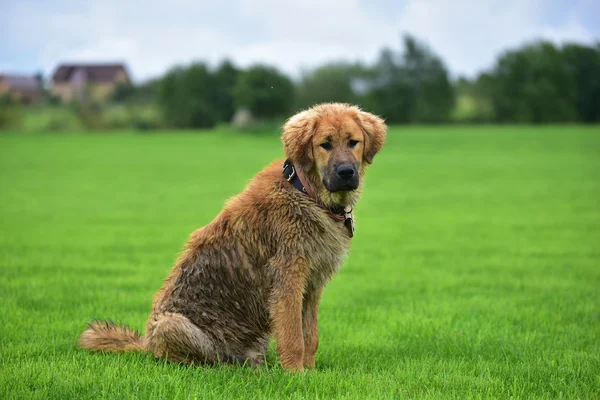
column 290, row 175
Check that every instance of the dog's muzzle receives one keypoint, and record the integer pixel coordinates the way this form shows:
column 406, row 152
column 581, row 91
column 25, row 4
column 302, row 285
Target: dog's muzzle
column 345, row 178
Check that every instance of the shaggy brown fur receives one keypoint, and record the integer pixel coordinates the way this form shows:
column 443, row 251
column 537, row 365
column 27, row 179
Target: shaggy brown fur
column 259, row 269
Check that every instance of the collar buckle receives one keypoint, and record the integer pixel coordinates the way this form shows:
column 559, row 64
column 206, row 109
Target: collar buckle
column 292, row 174
column 289, row 172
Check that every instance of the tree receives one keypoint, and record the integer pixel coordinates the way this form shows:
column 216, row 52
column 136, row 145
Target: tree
column 225, row 77
column 533, row 85
column 186, row 97
column 146, row 92
column 11, row 115
column 329, row 83
column 264, row 91
column 412, row 87
column 428, row 77
column 583, row 66
column 123, row 92
column 473, row 99
column 390, row 95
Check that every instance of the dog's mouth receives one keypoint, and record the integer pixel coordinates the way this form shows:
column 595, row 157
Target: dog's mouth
column 341, row 187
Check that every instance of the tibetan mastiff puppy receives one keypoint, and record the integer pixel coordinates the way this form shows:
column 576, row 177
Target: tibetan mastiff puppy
column 259, row 268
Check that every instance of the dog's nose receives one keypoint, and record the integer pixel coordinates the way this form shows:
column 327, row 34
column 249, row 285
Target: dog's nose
column 345, row 171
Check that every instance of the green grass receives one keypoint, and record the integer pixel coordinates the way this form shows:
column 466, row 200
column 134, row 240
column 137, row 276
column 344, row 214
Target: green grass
column 474, row 272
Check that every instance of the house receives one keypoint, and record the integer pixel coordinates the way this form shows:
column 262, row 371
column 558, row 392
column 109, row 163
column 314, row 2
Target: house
column 88, row 81
column 22, row 88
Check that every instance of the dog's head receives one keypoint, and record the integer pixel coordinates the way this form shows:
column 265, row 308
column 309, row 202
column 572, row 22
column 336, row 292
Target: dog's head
column 332, row 144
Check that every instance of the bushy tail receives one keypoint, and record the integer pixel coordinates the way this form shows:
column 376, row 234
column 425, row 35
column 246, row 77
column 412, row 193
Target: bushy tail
column 109, row 337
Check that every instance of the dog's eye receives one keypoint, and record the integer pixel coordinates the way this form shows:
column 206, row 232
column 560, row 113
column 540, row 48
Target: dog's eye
column 352, row 143
column 327, row 146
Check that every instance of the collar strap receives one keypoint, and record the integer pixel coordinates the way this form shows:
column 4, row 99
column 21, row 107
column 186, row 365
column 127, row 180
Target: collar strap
column 294, row 177
column 290, row 175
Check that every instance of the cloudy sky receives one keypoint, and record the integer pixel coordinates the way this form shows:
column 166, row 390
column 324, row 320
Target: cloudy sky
column 153, row 35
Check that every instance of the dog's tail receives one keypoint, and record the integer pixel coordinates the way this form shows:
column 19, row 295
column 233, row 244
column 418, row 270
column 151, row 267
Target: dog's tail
column 109, row 337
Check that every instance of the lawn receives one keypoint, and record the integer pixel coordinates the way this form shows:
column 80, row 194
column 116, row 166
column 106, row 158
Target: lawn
column 474, row 272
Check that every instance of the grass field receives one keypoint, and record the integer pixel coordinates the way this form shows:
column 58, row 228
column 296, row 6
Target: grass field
column 474, row 272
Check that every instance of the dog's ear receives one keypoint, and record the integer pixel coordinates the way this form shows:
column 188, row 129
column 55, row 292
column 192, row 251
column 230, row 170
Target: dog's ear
column 297, row 136
column 375, row 131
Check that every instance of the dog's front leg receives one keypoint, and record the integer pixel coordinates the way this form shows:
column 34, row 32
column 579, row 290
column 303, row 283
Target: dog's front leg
column 310, row 309
column 286, row 313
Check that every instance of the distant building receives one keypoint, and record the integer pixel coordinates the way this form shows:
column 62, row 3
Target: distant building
column 23, row 88
column 91, row 81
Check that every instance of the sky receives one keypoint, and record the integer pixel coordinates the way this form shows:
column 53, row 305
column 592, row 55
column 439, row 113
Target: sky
column 152, row 36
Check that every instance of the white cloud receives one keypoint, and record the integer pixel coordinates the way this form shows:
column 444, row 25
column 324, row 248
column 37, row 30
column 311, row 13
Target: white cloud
column 470, row 34
column 154, row 35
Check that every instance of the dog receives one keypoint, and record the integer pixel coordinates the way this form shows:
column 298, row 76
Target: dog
column 258, row 270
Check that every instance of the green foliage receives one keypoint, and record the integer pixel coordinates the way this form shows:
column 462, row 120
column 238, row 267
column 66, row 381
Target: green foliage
column 473, row 272
column 123, row 92
column 11, row 115
column 146, row 92
column 412, row 87
column 225, row 77
column 473, row 104
column 186, row 97
column 196, row 97
column 329, row 83
column 265, row 91
column 42, row 117
column 533, row 85
column 50, row 118
column 540, row 83
column 389, row 94
column 90, row 115
column 583, row 66
column 53, row 100
column 146, row 117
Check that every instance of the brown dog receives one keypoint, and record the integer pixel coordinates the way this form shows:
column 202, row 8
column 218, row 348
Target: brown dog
column 260, row 267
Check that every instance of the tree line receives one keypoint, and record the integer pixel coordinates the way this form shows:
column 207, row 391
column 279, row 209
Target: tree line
column 537, row 83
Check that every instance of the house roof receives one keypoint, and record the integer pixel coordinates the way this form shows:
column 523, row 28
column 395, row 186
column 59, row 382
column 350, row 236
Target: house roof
column 21, row 82
column 94, row 72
